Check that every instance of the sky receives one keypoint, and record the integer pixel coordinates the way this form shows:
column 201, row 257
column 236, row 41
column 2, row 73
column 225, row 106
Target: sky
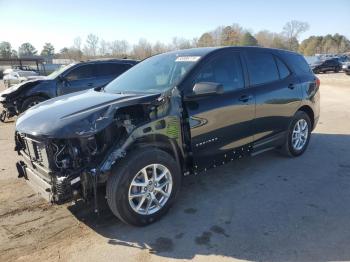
column 59, row 22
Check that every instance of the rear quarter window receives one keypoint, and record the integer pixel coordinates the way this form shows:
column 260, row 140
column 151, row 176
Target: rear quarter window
column 299, row 64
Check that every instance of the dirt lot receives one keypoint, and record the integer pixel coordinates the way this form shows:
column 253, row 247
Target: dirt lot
column 267, row 208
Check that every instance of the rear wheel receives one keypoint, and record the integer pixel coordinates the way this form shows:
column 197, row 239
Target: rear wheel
column 31, row 101
column 143, row 186
column 298, row 135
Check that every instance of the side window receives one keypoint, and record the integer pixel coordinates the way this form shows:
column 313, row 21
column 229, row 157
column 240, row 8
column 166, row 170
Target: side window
column 262, row 68
column 111, row 69
column 282, row 68
column 81, row 72
column 225, row 69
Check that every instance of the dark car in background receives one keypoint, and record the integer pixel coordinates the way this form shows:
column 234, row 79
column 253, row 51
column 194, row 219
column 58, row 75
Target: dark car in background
column 346, row 68
column 327, row 65
column 72, row 78
column 172, row 115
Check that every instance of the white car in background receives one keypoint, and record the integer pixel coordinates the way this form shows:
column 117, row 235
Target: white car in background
column 19, row 76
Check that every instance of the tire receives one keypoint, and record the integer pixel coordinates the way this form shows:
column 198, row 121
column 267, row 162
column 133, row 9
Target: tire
column 31, row 101
column 336, row 70
column 119, row 188
column 289, row 149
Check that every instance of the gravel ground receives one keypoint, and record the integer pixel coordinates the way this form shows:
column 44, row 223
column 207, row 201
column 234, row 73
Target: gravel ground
column 266, row 208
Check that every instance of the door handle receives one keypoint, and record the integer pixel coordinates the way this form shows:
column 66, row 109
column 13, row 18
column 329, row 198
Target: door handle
column 245, row 98
column 291, row 86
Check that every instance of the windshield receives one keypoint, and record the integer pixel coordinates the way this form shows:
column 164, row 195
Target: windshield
column 153, row 75
column 57, row 72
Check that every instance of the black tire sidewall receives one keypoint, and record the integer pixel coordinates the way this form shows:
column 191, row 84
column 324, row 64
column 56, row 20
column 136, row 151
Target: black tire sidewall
column 126, row 171
column 29, row 100
column 299, row 115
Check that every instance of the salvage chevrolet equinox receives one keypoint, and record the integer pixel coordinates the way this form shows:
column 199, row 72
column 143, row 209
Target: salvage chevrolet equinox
column 172, row 115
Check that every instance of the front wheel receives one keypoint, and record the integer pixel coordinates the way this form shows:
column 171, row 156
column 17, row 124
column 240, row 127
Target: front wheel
column 143, row 186
column 298, row 135
column 31, row 101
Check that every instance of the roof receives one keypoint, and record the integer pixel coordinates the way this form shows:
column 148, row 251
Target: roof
column 202, row 51
column 110, row 60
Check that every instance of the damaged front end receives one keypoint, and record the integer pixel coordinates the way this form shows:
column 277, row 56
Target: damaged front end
column 9, row 108
column 11, row 99
column 71, row 162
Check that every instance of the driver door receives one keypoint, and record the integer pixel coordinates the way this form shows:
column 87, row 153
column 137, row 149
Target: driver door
column 78, row 79
column 221, row 124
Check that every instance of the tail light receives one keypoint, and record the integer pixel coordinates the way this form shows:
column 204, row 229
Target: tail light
column 318, row 82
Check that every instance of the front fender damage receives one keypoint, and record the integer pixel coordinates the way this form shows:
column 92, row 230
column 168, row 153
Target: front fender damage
column 86, row 144
column 163, row 119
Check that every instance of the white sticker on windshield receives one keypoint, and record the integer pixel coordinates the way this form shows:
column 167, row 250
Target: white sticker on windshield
column 187, row 59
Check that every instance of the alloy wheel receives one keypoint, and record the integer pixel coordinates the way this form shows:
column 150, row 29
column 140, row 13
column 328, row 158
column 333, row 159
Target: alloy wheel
column 300, row 134
column 150, row 189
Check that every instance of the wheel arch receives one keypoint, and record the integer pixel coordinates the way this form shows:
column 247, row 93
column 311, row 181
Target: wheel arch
column 161, row 142
column 42, row 95
column 308, row 110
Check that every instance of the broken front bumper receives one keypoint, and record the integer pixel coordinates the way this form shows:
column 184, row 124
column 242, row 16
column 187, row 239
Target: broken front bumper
column 52, row 187
column 39, row 185
column 7, row 111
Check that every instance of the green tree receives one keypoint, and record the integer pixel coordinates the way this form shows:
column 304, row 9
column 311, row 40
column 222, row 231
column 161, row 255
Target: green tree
column 27, row 49
column 230, row 36
column 311, row 45
column 5, row 50
column 48, row 50
column 14, row 53
column 248, row 40
column 205, row 40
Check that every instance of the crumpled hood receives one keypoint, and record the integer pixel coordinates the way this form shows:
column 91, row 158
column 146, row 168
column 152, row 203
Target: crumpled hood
column 13, row 89
column 77, row 114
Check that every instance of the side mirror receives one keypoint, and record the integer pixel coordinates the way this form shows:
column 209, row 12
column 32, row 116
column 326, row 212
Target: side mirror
column 207, row 88
column 62, row 79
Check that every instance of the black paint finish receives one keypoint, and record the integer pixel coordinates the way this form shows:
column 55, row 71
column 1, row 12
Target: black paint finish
column 201, row 131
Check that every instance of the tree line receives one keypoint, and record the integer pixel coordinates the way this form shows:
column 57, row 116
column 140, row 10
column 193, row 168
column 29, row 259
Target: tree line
column 232, row 35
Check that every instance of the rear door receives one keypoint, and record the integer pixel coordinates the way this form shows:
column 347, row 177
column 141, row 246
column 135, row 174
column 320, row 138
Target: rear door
column 220, row 123
column 277, row 92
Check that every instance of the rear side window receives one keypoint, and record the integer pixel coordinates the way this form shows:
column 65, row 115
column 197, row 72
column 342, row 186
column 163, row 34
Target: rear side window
column 262, row 68
column 81, row 72
column 111, row 69
column 299, row 64
column 225, row 69
column 282, row 68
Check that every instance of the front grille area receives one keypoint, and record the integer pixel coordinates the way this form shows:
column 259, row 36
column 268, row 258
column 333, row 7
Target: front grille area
column 35, row 150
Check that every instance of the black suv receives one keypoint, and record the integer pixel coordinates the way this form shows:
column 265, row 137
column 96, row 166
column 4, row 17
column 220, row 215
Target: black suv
column 327, row 65
column 72, row 78
column 172, row 115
